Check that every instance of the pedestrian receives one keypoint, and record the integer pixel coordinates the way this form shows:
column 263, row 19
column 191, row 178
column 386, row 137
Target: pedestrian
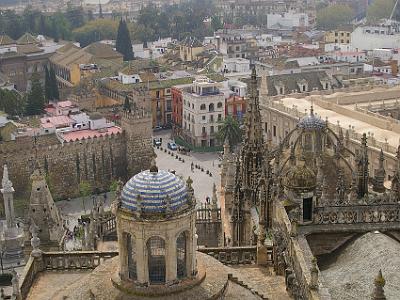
column 192, row 166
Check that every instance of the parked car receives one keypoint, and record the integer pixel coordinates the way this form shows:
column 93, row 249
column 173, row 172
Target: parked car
column 157, row 128
column 172, row 146
column 157, row 142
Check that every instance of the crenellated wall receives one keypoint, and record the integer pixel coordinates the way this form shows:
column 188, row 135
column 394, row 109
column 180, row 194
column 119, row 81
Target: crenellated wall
column 98, row 160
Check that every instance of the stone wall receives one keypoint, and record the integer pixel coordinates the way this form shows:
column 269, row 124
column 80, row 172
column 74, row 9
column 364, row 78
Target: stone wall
column 98, row 160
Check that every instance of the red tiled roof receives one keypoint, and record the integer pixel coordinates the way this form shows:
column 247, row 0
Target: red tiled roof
column 87, row 133
column 57, row 120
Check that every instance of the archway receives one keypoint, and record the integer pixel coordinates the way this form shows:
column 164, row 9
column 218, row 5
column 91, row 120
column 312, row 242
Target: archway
column 156, row 260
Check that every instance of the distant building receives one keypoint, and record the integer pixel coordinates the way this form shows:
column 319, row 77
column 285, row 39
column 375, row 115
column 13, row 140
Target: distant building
column 377, row 36
column 203, row 109
column 189, row 49
column 339, row 36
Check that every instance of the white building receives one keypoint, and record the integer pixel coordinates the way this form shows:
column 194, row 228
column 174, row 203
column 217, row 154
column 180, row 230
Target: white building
column 203, row 110
column 234, row 87
column 372, row 37
column 287, row 19
column 128, row 78
column 235, row 65
column 351, row 56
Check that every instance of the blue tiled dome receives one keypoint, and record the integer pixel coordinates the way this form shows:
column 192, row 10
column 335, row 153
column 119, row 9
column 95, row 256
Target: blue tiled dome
column 154, row 187
column 311, row 122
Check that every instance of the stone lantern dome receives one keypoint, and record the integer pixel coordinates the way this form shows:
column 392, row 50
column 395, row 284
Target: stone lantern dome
column 156, row 231
column 300, row 179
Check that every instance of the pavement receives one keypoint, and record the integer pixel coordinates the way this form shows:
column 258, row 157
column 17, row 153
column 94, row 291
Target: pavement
column 202, row 183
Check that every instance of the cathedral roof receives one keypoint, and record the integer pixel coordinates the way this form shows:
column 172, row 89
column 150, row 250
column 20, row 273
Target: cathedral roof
column 311, row 122
column 156, row 189
column 300, row 178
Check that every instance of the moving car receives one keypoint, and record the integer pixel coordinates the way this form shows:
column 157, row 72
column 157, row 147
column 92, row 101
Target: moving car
column 172, row 146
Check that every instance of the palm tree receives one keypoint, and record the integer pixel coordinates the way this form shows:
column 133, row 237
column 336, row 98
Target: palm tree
column 230, row 131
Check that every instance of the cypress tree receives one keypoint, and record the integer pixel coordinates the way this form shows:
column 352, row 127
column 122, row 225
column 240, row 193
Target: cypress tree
column 54, row 87
column 127, row 104
column 123, row 43
column 47, row 85
column 35, row 98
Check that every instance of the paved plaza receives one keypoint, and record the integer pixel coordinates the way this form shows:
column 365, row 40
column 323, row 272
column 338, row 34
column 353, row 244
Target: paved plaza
column 202, row 183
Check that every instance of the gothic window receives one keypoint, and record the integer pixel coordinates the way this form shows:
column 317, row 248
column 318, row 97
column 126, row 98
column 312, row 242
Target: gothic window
column 156, row 259
column 181, row 250
column 131, row 255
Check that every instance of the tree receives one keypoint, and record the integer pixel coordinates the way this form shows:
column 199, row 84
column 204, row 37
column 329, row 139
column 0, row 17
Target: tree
column 230, row 131
column 380, row 9
column 123, row 42
column 85, row 189
column 35, row 98
column 127, row 104
column 55, row 94
column 333, row 16
column 47, row 85
column 95, row 30
column 11, row 102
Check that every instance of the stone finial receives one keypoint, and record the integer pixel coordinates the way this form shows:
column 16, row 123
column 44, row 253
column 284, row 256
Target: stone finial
column 294, row 228
column 153, row 165
column 6, row 182
column 314, row 274
column 15, row 285
column 35, row 241
column 379, row 282
column 214, row 196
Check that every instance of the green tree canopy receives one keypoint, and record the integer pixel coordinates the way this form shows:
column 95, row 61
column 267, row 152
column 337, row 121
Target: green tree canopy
column 35, row 98
column 333, row 16
column 380, row 9
column 95, row 30
column 11, row 102
column 230, row 131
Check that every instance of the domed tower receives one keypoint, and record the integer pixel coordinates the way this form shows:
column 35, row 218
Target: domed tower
column 156, row 230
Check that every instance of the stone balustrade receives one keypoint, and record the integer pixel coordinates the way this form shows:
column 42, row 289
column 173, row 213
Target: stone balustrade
column 233, row 255
column 75, row 260
column 60, row 261
column 382, row 213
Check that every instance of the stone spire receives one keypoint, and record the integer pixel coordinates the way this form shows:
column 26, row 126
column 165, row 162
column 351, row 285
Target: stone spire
column 379, row 282
column 8, row 197
column 362, row 168
column 43, row 211
column 395, row 188
column 379, row 177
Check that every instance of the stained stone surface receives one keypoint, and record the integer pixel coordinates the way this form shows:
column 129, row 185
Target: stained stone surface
column 352, row 273
column 98, row 285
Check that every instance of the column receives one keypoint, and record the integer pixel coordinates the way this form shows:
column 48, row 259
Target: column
column 170, row 257
column 141, row 259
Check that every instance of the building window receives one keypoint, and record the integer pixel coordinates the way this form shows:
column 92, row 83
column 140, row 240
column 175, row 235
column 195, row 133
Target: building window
column 211, row 129
column 157, row 94
column 203, row 118
column 304, row 87
column 181, row 250
column 211, row 107
column 266, row 127
column 131, row 253
column 219, row 117
column 219, row 104
column 203, row 107
column 156, row 259
column 211, row 118
column 203, row 130
column 274, row 130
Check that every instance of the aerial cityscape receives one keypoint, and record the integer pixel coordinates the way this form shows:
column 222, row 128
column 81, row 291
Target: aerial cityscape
column 200, row 149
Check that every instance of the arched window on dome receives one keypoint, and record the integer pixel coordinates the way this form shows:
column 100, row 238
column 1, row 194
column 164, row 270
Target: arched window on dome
column 181, row 255
column 131, row 253
column 156, row 259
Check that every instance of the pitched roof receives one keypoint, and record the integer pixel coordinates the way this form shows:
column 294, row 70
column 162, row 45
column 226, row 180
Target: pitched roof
column 291, row 82
column 28, row 49
column 27, row 38
column 104, row 51
column 6, row 40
